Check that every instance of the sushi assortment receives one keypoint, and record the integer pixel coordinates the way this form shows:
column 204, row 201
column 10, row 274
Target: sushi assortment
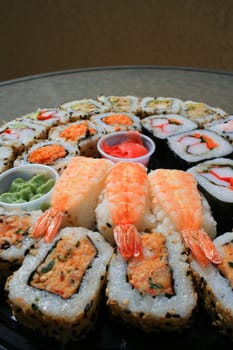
column 146, row 242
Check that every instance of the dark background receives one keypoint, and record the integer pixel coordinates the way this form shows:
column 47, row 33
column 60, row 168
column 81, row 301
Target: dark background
column 39, row 36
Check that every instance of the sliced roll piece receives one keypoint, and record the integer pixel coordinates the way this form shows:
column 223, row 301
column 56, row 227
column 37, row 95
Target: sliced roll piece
column 222, row 127
column 82, row 134
column 192, row 147
column 153, row 292
column 215, row 283
column 7, row 157
column 215, row 179
column 160, row 105
column 200, row 112
column 116, row 121
column 58, row 288
column 84, row 108
column 128, row 104
column 56, row 154
column 15, row 238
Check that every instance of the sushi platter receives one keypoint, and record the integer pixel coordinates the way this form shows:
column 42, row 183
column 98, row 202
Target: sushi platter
column 68, row 276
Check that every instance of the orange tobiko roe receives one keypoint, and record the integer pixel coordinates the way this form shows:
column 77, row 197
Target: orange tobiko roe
column 47, row 154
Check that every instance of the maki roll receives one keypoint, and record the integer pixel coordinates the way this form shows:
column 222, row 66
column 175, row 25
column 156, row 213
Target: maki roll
column 82, row 134
column 159, row 105
column 192, row 147
column 111, row 122
column 82, row 109
column 160, row 127
column 215, row 283
column 58, row 288
column 127, row 104
column 21, row 135
column 215, row 179
column 15, row 238
column 47, row 117
column 7, row 157
column 155, row 291
column 56, row 154
column 201, row 113
column 223, row 127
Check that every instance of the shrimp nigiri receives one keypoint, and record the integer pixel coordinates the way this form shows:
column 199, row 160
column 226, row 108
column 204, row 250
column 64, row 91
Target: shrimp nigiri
column 176, row 192
column 74, row 197
column 124, row 207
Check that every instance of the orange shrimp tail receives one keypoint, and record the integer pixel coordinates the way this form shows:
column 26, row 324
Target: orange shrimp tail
column 48, row 224
column 128, row 241
column 201, row 246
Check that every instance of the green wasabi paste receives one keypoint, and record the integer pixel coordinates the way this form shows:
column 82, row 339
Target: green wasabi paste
column 21, row 191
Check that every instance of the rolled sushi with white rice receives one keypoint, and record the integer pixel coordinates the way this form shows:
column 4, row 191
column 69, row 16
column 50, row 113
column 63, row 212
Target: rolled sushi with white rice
column 7, row 157
column 116, row 121
column 84, row 108
column 159, row 105
column 153, row 292
column 215, row 283
column 222, row 127
column 58, row 288
column 128, row 104
column 192, row 147
column 215, row 180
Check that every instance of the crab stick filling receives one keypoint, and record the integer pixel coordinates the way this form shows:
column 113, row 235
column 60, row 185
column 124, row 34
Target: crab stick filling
column 219, row 175
column 47, row 154
column 63, row 269
column 165, row 126
column 198, row 143
column 151, row 274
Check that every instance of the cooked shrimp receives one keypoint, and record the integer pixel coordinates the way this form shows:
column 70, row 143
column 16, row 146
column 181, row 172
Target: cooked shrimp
column 74, row 197
column 126, row 198
column 177, row 194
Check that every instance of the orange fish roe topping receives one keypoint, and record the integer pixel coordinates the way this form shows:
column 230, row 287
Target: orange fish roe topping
column 226, row 266
column 13, row 229
column 62, row 271
column 121, row 119
column 150, row 274
column 76, row 132
column 47, row 154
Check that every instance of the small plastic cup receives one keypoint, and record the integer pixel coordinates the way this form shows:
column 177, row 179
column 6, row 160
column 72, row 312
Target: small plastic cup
column 26, row 172
column 118, row 137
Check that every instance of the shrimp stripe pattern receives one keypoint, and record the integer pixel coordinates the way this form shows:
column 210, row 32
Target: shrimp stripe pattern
column 74, row 197
column 127, row 189
column 176, row 192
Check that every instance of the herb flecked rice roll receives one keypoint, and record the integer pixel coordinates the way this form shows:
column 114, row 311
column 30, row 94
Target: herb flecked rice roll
column 160, row 105
column 15, row 238
column 84, row 108
column 7, row 157
column 57, row 289
column 215, row 284
column 155, row 291
column 128, row 104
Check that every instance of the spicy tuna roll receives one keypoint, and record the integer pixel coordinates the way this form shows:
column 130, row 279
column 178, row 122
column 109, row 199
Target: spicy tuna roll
column 113, row 121
column 155, row 291
column 58, row 288
column 15, row 238
column 215, row 283
column 82, row 134
column 192, row 147
column 215, row 179
column 56, row 154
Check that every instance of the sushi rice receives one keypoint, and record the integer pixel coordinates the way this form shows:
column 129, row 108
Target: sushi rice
column 64, row 318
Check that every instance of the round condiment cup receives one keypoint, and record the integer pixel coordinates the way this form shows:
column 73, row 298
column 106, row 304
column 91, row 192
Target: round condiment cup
column 117, row 138
column 26, row 172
